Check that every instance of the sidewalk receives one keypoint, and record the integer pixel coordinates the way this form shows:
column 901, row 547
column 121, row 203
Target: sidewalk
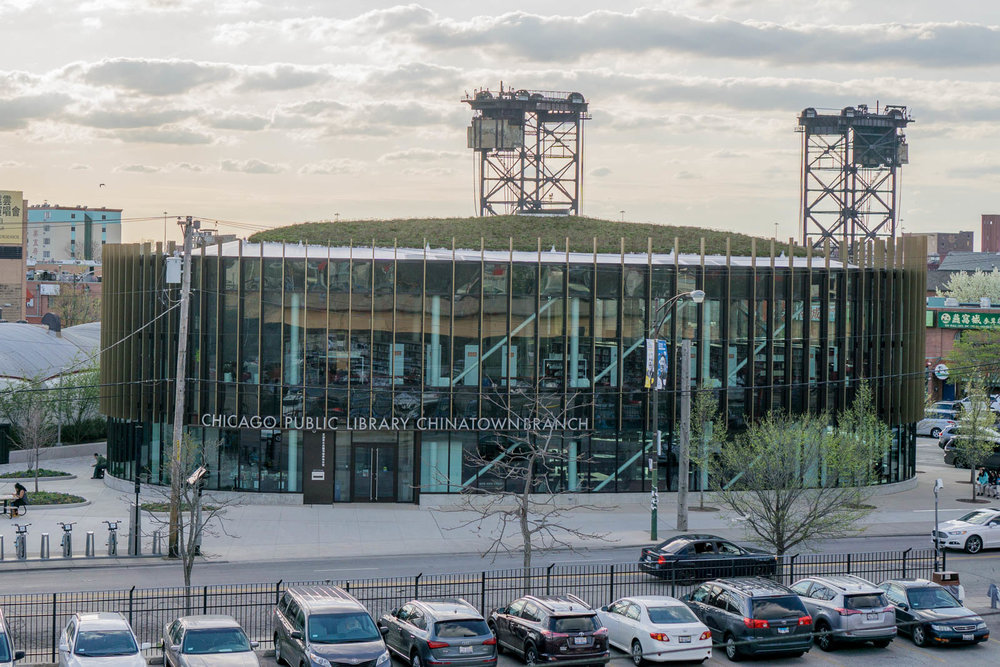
column 268, row 532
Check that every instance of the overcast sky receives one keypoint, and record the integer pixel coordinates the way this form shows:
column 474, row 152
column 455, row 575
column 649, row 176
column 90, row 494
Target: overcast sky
column 281, row 111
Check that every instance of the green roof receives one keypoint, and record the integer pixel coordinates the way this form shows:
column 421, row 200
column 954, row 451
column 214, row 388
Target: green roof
column 496, row 233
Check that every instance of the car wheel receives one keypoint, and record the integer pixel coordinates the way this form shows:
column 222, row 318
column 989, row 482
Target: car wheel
column 824, row 638
column 530, row 655
column 935, row 432
column 974, row 544
column 881, row 643
column 919, row 635
column 415, row 660
column 732, row 650
column 637, row 658
column 277, row 651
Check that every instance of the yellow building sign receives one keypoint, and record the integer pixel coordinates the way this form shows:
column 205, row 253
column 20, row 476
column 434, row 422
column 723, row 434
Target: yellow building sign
column 11, row 217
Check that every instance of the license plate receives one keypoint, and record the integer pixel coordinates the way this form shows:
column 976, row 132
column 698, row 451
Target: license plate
column 684, row 639
column 580, row 640
column 871, row 617
column 465, row 649
column 782, row 631
column 968, row 638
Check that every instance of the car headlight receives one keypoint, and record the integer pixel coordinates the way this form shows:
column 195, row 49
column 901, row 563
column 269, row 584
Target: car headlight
column 981, row 625
column 958, row 532
column 382, row 659
column 940, row 628
column 319, row 660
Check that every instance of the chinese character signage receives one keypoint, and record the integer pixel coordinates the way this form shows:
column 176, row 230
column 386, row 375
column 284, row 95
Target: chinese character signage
column 957, row 320
column 11, row 216
column 656, row 363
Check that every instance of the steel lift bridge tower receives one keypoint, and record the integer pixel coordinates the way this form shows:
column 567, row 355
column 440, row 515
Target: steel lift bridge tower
column 530, row 149
column 850, row 174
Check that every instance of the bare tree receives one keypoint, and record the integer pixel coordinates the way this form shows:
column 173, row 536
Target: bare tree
column 200, row 514
column 709, row 432
column 75, row 304
column 29, row 411
column 795, row 480
column 529, row 470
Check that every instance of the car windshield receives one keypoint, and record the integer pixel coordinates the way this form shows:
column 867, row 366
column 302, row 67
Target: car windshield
column 573, row 623
column 342, row 628
column 978, row 517
column 4, row 653
column 676, row 546
column 778, row 607
column 866, row 601
column 472, row 627
column 672, row 614
column 95, row 643
column 931, row 598
column 215, row 640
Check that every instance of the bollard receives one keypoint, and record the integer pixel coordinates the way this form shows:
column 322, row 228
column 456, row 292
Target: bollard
column 1, row 548
column 89, row 547
column 43, row 553
column 156, row 544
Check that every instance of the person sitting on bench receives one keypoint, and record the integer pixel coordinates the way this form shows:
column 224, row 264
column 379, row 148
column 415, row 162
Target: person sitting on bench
column 20, row 499
column 100, row 465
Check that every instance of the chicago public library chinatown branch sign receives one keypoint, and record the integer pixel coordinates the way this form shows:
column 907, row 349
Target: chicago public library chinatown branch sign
column 395, row 423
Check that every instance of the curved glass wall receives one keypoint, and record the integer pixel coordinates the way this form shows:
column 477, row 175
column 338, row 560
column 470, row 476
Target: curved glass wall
column 354, row 374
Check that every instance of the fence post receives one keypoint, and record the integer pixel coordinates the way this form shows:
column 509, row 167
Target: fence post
column 548, row 579
column 944, row 559
column 482, row 594
column 848, row 563
column 905, row 554
column 204, row 599
column 791, row 568
column 277, row 591
column 131, row 597
column 416, row 586
column 611, row 587
column 55, row 638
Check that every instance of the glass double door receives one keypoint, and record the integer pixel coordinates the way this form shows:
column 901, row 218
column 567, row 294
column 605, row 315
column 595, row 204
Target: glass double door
column 374, row 472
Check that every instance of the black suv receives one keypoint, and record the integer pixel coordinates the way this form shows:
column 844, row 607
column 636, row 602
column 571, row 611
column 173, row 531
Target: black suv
column 752, row 615
column 549, row 628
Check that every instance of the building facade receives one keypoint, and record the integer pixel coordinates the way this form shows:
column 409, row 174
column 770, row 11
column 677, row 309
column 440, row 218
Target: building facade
column 61, row 233
column 990, row 239
column 13, row 283
column 371, row 374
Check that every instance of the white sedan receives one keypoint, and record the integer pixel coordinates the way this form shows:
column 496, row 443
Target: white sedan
column 656, row 629
column 973, row 532
column 100, row 639
column 933, row 425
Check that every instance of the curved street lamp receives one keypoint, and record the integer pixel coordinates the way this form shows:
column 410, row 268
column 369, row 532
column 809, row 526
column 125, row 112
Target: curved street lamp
column 659, row 317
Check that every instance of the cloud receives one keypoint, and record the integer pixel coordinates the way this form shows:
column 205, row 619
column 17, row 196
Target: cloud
column 282, row 77
column 186, row 166
column 252, row 166
column 80, row 167
column 17, row 112
column 331, row 167
column 420, row 154
column 235, row 121
column 117, row 119
column 167, row 135
column 686, row 176
column 155, row 77
column 600, row 172
column 10, row 164
column 137, row 169
column 728, row 155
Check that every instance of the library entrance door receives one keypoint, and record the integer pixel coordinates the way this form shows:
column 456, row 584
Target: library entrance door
column 374, row 472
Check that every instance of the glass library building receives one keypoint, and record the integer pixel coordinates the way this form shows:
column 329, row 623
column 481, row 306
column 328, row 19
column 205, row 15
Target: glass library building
column 374, row 374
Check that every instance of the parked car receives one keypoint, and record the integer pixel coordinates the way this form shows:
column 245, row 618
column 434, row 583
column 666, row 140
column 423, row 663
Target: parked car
column 101, row 638
column 207, row 641
column 753, row 616
column 316, row 626
column 931, row 615
column 701, row 557
column 551, row 628
column 847, row 609
column 435, row 632
column 656, row 629
column 8, row 656
column 932, row 424
column 949, row 406
column 973, row 532
column 954, row 434
column 953, row 449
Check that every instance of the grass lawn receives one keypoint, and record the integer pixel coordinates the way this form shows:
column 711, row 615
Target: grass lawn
column 52, row 498
column 42, row 472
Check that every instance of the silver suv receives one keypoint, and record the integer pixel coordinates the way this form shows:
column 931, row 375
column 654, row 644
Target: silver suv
column 846, row 608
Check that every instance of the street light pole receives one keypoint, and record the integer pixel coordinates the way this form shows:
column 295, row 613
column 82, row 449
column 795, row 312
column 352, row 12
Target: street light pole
column 659, row 317
column 938, row 485
column 684, row 456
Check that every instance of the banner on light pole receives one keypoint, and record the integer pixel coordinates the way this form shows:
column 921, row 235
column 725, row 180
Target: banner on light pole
column 656, row 363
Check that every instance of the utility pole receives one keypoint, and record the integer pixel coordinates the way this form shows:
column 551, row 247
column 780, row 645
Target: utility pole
column 189, row 226
column 684, row 457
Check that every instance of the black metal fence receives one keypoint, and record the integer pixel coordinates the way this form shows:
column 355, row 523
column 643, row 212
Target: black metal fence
column 37, row 619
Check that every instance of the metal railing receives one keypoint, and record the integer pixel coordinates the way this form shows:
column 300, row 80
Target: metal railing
column 37, row 619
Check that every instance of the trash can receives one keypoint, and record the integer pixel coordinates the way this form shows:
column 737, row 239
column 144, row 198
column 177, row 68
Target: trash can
column 949, row 579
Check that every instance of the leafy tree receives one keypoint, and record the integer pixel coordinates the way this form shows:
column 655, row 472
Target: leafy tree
column 975, row 443
column 794, row 480
column 976, row 351
column 29, row 411
column 970, row 287
column 76, row 399
column 709, row 432
column 75, row 304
